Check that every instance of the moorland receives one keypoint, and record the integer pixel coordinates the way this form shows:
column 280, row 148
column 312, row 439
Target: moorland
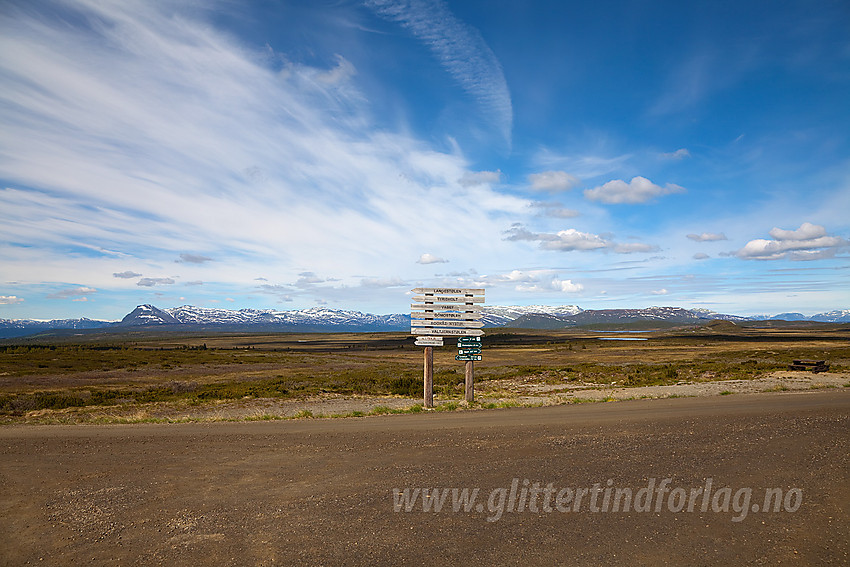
column 150, row 375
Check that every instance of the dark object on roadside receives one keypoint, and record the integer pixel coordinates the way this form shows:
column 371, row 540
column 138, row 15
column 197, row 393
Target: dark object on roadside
column 813, row 365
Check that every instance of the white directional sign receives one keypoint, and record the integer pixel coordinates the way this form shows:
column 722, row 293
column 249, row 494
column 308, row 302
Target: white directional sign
column 441, row 311
column 429, row 341
column 444, row 331
column 446, row 308
column 449, row 299
column 449, row 291
column 447, row 315
column 436, row 323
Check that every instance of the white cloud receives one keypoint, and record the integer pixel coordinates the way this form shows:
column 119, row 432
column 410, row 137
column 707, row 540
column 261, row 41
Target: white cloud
column 638, row 190
column 678, row 155
column 10, row 300
column 554, row 210
column 460, row 49
column 574, row 240
column 74, row 292
column 807, row 231
column 205, row 145
column 553, row 181
column 383, row 282
column 470, row 179
column 430, row 259
column 583, row 166
column 151, row 282
column 632, row 247
column 535, row 281
column 193, row 259
column 126, row 275
column 707, row 237
column 343, row 71
column 701, row 256
column 661, row 291
column 809, row 242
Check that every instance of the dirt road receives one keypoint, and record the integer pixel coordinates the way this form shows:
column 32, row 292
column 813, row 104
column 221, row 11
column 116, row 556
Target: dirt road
column 322, row 492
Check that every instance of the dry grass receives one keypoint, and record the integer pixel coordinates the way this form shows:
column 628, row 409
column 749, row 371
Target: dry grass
column 192, row 372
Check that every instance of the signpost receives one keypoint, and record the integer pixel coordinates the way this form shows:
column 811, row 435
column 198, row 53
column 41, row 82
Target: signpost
column 450, row 312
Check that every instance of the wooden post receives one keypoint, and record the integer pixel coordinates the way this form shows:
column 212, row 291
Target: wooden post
column 469, row 395
column 429, row 377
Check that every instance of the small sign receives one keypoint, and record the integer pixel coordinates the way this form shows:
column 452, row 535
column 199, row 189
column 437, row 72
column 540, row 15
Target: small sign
column 438, row 323
column 447, row 315
column 447, row 308
column 469, row 341
column 449, row 291
column 468, row 357
column 448, row 299
column 429, row 341
column 469, row 351
column 444, row 331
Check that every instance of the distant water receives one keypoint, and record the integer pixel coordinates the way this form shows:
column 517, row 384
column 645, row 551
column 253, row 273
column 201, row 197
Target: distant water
column 621, row 339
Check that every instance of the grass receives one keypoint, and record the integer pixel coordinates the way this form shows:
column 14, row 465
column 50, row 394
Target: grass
column 185, row 373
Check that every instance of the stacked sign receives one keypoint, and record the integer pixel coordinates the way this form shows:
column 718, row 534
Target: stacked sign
column 445, row 311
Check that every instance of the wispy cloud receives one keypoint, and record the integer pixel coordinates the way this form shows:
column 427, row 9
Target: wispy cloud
column 430, row 259
column 554, row 209
column 193, row 259
column 460, row 49
column 151, row 282
column 10, row 300
column 553, row 181
column 678, row 155
column 584, row 166
column 207, row 145
column 126, row 275
column 71, row 293
column 470, row 178
column 707, row 237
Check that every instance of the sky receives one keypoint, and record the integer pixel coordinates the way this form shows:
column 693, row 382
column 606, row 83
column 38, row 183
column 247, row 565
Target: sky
column 293, row 154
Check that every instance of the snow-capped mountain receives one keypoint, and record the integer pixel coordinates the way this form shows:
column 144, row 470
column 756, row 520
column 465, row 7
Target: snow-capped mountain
column 321, row 317
column 498, row 315
column 325, row 319
column 836, row 316
column 23, row 327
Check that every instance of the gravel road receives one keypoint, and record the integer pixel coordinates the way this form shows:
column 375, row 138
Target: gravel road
column 323, row 492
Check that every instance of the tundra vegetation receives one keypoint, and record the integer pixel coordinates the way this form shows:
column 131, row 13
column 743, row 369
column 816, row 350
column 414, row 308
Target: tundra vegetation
column 67, row 373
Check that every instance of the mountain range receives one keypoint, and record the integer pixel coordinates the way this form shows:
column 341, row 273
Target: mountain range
column 319, row 319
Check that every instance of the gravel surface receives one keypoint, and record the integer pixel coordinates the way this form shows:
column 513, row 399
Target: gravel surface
column 321, row 492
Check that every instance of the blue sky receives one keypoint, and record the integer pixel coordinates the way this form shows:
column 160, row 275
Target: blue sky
column 288, row 154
